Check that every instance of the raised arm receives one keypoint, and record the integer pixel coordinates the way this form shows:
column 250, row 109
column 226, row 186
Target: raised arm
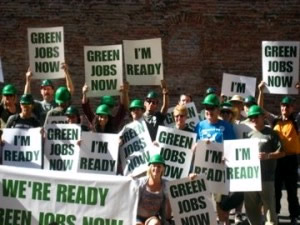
column 165, row 92
column 69, row 82
column 124, row 95
column 28, row 76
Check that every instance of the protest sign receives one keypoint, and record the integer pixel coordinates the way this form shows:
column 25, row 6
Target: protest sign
column 61, row 147
column 191, row 202
column 136, row 149
column 280, row 61
column 176, row 149
column 143, row 61
column 57, row 120
column 243, row 164
column 46, row 52
column 208, row 162
column 1, row 72
column 33, row 197
column 98, row 153
column 237, row 85
column 103, row 70
column 242, row 129
column 192, row 117
column 22, row 148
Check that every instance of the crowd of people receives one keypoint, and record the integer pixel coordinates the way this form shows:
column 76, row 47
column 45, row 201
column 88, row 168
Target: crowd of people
column 279, row 149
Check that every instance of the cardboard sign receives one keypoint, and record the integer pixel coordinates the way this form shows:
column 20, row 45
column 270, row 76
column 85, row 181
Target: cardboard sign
column 208, row 163
column 103, row 70
column 22, row 148
column 61, row 147
column 280, row 61
column 98, row 153
column 46, row 52
column 238, row 85
column 176, row 149
column 1, row 72
column 243, row 164
column 242, row 129
column 143, row 61
column 57, row 120
column 191, row 202
column 35, row 197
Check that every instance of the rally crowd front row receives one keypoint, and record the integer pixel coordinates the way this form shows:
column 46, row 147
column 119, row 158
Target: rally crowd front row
column 279, row 143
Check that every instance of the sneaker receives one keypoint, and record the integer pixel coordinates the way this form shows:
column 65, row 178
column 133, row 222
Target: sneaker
column 238, row 219
column 294, row 221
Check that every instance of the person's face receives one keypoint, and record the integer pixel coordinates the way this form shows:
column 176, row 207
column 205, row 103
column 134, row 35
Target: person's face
column 26, row 109
column 180, row 120
column 9, row 99
column 136, row 113
column 151, row 104
column 211, row 113
column 47, row 93
column 226, row 115
column 156, row 170
column 238, row 105
column 102, row 119
column 257, row 121
column 184, row 99
column 286, row 110
column 72, row 119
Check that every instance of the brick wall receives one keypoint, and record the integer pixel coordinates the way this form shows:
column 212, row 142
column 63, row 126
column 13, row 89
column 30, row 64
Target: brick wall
column 201, row 39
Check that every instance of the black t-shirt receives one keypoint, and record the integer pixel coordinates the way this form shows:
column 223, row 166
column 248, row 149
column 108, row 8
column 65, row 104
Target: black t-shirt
column 15, row 121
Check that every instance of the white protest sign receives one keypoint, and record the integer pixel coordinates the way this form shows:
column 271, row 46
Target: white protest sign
column 22, row 148
column 176, row 149
column 191, row 202
column 103, row 69
column 1, row 72
column 61, row 147
column 242, row 129
column 192, row 117
column 143, row 61
column 238, row 85
column 137, row 148
column 208, row 163
column 57, row 120
column 280, row 61
column 243, row 164
column 98, row 153
column 33, row 197
column 46, row 52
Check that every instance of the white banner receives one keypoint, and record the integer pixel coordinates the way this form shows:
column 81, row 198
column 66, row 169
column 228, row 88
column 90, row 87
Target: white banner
column 176, row 149
column 243, row 164
column 191, row 202
column 137, row 148
column 238, row 85
column 22, row 147
column 143, row 61
column 61, row 147
column 98, row 153
column 208, row 163
column 46, row 52
column 1, row 72
column 57, row 120
column 280, row 61
column 192, row 117
column 103, row 69
column 33, row 197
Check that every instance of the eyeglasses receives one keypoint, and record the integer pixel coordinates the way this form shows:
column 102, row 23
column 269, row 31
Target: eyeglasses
column 253, row 117
column 210, row 108
column 181, row 116
column 154, row 102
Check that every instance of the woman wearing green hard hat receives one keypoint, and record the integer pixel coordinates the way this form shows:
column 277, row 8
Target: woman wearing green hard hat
column 102, row 121
column 136, row 109
column 153, row 206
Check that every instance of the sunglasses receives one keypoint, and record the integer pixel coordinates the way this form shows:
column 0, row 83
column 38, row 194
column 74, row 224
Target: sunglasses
column 253, row 117
column 154, row 102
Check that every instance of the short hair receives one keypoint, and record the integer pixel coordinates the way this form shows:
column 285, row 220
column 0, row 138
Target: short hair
column 180, row 109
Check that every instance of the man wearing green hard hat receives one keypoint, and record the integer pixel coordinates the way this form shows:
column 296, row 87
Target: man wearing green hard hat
column 136, row 109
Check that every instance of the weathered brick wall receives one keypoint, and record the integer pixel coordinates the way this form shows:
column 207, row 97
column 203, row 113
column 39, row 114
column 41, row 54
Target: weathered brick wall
column 201, row 39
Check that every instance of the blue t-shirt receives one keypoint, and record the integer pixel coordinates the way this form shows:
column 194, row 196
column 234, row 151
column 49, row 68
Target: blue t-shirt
column 216, row 132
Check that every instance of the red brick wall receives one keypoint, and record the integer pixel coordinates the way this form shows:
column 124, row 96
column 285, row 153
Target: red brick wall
column 201, row 39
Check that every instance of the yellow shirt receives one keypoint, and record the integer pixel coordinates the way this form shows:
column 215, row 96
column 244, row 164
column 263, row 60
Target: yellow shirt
column 288, row 136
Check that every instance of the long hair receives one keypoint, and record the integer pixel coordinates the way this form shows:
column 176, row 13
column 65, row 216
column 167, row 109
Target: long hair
column 149, row 174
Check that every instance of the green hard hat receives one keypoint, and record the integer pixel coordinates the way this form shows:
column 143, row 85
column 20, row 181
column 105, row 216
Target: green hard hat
column 255, row 110
column 108, row 100
column 46, row 83
column 211, row 100
column 152, row 94
column 250, row 100
column 136, row 103
column 26, row 99
column 72, row 110
column 226, row 106
column 103, row 110
column 157, row 158
column 9, row 89
column 287, row 100
column 210, row 90
column 62, row 95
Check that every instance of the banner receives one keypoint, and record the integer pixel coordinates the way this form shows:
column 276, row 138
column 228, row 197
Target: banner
column 176, row 149
column 209, row 163
column 22, row 148
column 280, row 61
column 57, row 120
column 191, row 202
column 237, row 85
column 1, row 72
column 103, row 70
column 98, row 153
column 243, row 164
column 33, row 197
column 137, row 148
column 46, row 52
column 143, row 61
column 61, row 147
column 192, row 117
